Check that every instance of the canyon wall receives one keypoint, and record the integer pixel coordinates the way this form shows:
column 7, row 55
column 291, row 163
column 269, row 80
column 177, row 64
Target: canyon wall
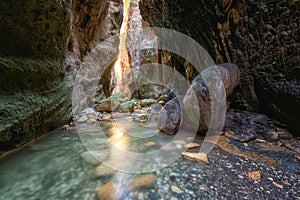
column 261, row 37
column 33, row 95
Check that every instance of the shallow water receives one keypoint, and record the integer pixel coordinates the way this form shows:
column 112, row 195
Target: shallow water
column 53, row 168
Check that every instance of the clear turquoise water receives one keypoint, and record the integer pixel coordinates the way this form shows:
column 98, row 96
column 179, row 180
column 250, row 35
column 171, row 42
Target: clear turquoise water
column 52, row 168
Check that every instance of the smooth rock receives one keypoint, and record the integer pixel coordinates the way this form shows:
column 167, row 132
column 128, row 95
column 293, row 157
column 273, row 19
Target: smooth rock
column 255, row 175
column 196, row 157
column 92, row 120
column 107, row 105
column 176, row 189
column 150, row 144
column 88, row 111
column 169, row 117
column 142, row 182
column 109, row 192
column 103, row 171
column 278, row 185
column 82, row 119
column 191, row 145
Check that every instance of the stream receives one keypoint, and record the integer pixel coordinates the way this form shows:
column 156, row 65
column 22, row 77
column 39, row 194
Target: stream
column 56, row 167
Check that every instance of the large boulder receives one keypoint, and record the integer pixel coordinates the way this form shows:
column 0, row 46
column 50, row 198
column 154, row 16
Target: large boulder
column 170, row 116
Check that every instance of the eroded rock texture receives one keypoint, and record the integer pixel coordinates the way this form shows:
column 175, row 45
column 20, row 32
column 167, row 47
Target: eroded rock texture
column 261, row 37
column 203, row 93
column 33, row 96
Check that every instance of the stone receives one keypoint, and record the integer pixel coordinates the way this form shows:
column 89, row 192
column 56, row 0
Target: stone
column 89, row 158
column 126, row 107
column 142, row 182
column 88, row 111
column 196, row 157
column 278, row 185
column 150, row 144
column 107, row 105
column 230, row 75
column 176, row 189
column 103, row 171
column 231, row 135
column 191, row 145
column 272, row 136
column 67, row 127
column 255, row 175
column 109, row 191
column 169, row 117
column 92, row 120
column 161, row 102
column 147, row 102
column 82, row 119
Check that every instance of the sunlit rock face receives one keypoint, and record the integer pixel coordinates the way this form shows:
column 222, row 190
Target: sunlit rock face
column 93, row 50
column 261, row 37
column 33, row 96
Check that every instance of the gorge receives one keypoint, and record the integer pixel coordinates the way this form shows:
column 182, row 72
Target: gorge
column 150, row 99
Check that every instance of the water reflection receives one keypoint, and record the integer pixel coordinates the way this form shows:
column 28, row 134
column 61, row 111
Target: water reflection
column 118, row 139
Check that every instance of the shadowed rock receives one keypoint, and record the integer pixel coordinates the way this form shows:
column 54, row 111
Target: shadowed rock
column 169, row 118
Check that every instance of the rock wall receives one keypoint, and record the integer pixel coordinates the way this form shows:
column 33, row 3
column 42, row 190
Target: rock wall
column 33, row 95
column 261, row 37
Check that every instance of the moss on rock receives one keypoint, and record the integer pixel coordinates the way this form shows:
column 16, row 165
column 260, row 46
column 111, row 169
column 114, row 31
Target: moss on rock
column 31, row 28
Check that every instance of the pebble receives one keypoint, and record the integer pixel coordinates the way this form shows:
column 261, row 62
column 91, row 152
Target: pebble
column 255, row 175
column 92, row 120
column 176, row 189
column 88, row 111
column 196, row 157
column 142, row 182
column 83, row 119
column 191, row 145
column 109, row 192
column 150, row 144
column 103, row 171
column 278, row 185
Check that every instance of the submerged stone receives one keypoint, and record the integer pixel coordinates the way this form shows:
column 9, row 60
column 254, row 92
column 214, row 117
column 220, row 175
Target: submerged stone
column 142, row 182
column 103, row 171
column 109, row 191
